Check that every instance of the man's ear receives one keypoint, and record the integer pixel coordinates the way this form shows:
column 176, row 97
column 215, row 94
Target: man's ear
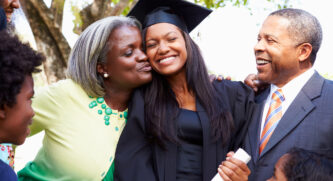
column 304, row 51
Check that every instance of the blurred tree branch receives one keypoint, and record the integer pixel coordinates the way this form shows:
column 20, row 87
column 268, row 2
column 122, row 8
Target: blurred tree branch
column 49, row 38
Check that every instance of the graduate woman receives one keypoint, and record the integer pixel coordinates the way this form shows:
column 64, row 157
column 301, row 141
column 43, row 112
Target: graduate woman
column 180, row 126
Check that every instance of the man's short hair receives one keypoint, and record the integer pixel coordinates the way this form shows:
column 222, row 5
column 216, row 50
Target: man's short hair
column 304, row 28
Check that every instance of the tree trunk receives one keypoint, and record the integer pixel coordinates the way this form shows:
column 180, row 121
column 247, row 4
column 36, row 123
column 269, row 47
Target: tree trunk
column 49, row 38
column 100, row 9
column 46, row 25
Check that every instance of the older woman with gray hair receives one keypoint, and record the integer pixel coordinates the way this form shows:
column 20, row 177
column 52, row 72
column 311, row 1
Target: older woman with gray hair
column 84, row 115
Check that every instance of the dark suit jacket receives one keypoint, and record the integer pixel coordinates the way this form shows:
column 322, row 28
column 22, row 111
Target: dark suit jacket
column 307, row 123
column 3, row 19
column 138, row 159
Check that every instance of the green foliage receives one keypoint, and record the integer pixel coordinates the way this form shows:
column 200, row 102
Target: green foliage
column 78, row 5
column 328, row 76
column 76, row 13
column 126, row 11
column 221, row 3
column 60, row 5
column 284, row 4
column 214, row 4
column 128, row 7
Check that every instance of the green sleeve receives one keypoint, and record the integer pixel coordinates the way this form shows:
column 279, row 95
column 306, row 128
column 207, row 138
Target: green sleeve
column 109, row 175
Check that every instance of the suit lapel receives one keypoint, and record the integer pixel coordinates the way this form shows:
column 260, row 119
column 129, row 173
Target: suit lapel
column 254, row 127
column 297, row 111
column 293, row 116
column 253, row 131
column 209, row 147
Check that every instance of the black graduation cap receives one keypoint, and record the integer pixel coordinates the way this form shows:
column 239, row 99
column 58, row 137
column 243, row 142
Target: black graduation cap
column 3, row 19
column 185, row 15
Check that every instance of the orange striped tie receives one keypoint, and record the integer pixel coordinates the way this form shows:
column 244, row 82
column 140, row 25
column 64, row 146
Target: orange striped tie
column 273, row 117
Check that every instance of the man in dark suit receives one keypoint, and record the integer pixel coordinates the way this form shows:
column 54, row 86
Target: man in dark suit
column 297, row 109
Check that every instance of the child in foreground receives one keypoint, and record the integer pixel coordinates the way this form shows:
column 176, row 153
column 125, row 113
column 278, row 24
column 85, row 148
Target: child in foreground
column 17, row 63
column 302, row 165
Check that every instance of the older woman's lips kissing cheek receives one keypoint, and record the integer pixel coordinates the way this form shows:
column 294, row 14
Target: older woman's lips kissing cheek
column 145, row 67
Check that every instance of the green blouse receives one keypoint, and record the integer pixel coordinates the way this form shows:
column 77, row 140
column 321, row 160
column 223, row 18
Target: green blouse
column 81, row 134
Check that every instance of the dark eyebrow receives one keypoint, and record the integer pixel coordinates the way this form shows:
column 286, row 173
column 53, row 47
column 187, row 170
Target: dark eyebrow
column 170, row 33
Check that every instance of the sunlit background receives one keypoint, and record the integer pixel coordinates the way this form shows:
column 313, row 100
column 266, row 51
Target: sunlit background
column 228, row 35
column 226, row 39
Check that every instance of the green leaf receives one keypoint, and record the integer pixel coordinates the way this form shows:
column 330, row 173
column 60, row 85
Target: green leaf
column 115, row 1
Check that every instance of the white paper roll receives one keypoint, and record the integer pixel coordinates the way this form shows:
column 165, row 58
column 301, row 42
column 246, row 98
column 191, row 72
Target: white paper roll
column 240, row 155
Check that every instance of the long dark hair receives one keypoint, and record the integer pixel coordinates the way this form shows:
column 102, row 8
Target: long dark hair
column 162, row 108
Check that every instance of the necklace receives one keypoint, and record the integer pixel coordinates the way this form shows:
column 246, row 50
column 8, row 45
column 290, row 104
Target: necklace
column 99, row 101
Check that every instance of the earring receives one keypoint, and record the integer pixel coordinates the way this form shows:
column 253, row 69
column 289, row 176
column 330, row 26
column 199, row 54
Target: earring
column 105, row 75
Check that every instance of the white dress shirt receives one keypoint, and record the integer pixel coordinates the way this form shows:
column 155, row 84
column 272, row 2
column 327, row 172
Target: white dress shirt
column 290, row 91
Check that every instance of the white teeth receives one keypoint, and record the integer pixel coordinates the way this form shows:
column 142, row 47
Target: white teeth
column 262, row 62
column 166, row 59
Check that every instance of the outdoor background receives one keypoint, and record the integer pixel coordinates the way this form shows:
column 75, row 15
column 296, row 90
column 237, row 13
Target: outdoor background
column 226, row 39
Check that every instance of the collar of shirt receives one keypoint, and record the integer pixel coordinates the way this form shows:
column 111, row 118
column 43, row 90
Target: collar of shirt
column 290, row 91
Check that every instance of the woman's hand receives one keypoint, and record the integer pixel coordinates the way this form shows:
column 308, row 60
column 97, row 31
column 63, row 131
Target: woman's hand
column 252, row 81
column 233, row 169
column 219, row 78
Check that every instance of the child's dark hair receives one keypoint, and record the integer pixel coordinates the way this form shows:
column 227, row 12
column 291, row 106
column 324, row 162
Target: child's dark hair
column 17, row 60
column 303, row 165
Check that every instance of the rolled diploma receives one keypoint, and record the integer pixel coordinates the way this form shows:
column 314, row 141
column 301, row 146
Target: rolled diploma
column 240, row 155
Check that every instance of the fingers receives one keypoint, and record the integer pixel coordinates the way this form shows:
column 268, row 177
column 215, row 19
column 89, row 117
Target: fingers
column 228, row 78
column 234, row 169
column 219, row 78
column 230, row 154
column 212, row 77
column 221, row 173
column 251, row 81
column 239, row 164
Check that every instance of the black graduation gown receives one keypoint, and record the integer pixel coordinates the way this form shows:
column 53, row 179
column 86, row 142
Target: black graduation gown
column 138, row 159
